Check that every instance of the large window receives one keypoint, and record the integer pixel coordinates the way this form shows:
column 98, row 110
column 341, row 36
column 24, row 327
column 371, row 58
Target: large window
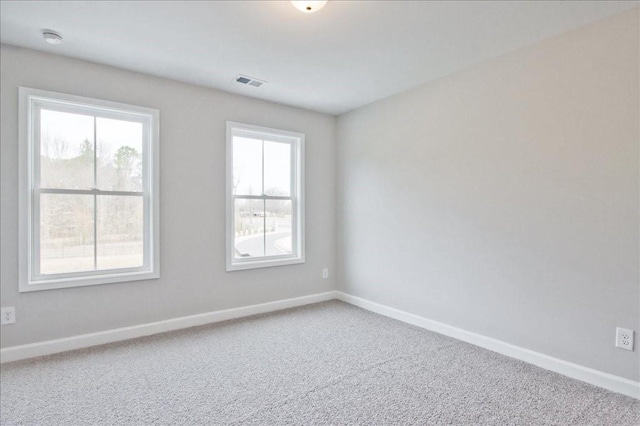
column 264, row 197
column 89, row 191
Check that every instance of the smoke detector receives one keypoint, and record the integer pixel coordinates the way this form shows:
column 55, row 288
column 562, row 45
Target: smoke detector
column 51, row 37
column 249, row 81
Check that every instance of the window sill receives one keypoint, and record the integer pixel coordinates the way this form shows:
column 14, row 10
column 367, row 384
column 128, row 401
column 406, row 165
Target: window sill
column 267, row 263
column 52, row 284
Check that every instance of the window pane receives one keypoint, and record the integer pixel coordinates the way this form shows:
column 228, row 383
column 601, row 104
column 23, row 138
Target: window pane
column 120, row 231
column 247, row 166
column 119, row 155
column 277, row 168
column 249, row 228
column 278, row 219
column 66, row 150
column 66, row 233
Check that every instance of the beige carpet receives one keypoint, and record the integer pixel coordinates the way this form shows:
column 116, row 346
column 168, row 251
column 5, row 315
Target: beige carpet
column 329, row 363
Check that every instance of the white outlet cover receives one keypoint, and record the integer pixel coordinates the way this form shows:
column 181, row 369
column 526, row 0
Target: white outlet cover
column 624, row 338
column 8, row 315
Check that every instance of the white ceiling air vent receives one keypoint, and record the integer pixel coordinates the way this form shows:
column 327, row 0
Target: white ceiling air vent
column 249, row 81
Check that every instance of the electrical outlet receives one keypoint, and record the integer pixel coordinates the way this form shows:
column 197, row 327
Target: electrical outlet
column 325, row 273
column 8, row 315
column 624, row 338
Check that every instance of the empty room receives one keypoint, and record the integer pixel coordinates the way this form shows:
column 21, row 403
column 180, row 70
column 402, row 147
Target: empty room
column 320, row 212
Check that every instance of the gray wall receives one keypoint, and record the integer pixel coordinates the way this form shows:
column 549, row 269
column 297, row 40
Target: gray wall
column 504, row 199
column 192, row 201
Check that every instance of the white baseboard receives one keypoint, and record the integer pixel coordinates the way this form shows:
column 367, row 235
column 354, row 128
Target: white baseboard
column 569, row 369
column 15, row 353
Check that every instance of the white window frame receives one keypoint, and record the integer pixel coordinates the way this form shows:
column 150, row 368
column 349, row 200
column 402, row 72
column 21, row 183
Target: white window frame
column 31, row 101
column 296, row 140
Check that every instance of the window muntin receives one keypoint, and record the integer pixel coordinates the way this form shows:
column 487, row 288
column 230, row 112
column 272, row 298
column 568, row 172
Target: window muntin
column 264, row 197
column 89, row 191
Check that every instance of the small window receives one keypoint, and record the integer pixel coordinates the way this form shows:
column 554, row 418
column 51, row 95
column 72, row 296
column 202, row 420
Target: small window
column 88, row 191
column 265, row 209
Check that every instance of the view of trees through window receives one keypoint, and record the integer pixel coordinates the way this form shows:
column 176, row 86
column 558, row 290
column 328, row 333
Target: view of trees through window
column 262, row 197
column 82, row 229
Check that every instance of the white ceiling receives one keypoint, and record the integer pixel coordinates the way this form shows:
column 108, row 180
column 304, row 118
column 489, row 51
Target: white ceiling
column 347, row 55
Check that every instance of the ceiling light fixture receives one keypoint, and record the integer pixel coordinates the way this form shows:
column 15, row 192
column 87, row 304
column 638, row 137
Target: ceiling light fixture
column 308, row 6
column 51, row 37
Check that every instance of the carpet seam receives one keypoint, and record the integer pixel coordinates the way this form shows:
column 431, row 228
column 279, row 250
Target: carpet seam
column 330, row 382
